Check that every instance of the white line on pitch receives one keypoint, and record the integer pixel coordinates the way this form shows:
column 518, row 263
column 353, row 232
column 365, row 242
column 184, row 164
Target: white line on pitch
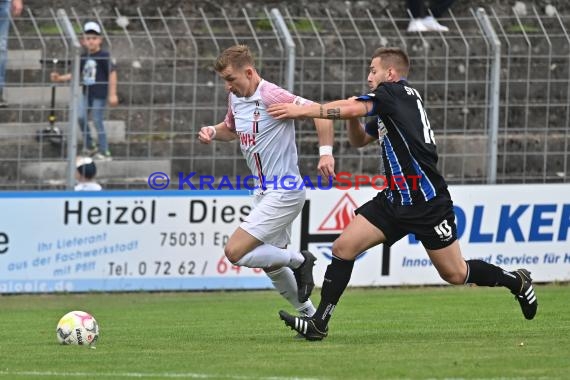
column 188, row 375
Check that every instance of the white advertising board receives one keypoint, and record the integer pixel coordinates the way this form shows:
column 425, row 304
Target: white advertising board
column 511, row 226
column 152, row 240
column 109, row 241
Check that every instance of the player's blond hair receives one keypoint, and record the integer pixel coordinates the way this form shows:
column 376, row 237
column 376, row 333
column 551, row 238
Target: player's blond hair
column 393, row 57
column 238, row 56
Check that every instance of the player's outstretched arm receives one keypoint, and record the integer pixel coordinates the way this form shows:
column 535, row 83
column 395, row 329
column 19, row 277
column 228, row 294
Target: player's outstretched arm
column 218, row 132
column 340, row 109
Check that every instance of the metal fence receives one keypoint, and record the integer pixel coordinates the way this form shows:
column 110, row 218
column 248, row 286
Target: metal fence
column 168, row 90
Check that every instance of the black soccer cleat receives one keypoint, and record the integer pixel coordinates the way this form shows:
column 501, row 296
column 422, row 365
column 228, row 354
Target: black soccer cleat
column 304, row 277
column 526, row 297
column 304, row 326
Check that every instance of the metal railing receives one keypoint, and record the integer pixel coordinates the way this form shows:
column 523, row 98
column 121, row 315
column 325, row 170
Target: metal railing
column 69, row 33
column 168, row 90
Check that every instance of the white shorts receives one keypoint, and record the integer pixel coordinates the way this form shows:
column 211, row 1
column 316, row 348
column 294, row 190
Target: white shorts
column 273, row 214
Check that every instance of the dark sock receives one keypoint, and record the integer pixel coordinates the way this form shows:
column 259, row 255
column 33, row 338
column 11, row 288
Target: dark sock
column 484, row 274
column 336, row 279
column 438, row 8
column 417, row 8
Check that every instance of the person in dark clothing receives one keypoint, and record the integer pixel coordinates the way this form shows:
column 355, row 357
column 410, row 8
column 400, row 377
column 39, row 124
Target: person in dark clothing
column 419, row 204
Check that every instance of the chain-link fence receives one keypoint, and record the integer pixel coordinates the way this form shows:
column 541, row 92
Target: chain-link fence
column 168, row 90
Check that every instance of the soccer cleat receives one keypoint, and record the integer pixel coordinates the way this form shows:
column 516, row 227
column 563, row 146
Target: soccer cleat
column 526, row 297
column 304, row 313
column 304, row 277
column 304, row 326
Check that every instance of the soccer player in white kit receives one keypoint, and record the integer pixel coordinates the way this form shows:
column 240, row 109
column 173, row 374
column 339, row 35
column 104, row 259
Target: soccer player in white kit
column 268, row 146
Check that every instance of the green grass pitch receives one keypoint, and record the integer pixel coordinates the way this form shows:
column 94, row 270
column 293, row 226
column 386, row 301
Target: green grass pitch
column 386, row 333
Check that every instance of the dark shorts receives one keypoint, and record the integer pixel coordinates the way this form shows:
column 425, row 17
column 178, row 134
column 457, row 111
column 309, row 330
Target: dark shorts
column 432, row 222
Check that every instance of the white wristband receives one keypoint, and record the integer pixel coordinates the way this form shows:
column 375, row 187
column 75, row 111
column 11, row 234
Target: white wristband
column 325, row 150
column 213, row 131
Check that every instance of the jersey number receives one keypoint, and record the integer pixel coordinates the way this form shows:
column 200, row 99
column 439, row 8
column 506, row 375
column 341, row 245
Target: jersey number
column 428, row 133
column 443, row 230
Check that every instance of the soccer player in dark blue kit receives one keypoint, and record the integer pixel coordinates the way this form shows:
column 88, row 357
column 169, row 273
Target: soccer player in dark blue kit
column 420, row 206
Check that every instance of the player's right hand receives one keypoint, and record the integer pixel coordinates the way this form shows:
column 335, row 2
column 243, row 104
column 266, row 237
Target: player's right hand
column 54, row 77
column 205, row 135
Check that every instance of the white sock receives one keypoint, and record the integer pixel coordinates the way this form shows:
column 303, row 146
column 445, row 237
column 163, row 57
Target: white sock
column 284, row 281
column 267, row 256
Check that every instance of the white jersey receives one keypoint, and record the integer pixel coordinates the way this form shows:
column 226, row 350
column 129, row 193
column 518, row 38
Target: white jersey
column 88, row 186
column 267, row 144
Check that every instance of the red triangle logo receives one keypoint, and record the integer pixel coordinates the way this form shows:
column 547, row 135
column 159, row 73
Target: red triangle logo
column 340, row 215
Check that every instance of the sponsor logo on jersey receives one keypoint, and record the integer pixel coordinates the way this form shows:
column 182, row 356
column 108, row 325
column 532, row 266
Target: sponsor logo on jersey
column 246, row 139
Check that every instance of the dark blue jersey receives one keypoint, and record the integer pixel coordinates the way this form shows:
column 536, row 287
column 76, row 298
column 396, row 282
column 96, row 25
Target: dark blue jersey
column 408, row 145
column 95, row 69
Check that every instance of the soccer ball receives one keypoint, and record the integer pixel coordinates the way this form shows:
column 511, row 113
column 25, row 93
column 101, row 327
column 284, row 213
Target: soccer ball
column 78, row 327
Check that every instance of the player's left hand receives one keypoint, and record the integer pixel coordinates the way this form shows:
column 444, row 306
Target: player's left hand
column 113, row 100
column 326, row 166
column 284, row 111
